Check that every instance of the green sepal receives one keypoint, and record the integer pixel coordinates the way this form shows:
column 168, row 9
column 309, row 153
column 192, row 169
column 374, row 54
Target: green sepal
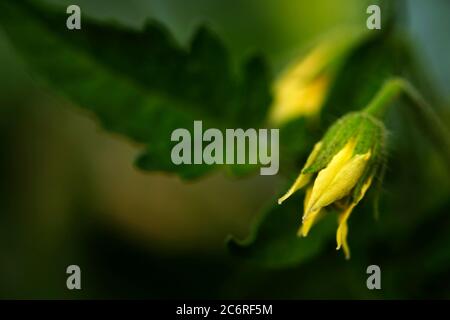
column 334, row 140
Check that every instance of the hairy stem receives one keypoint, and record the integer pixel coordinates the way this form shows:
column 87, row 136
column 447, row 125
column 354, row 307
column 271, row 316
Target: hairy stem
column 428, row 120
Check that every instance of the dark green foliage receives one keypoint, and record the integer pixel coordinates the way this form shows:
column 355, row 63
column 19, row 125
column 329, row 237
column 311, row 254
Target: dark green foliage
column 274, row 243
column 139, row 83
column 142, row 85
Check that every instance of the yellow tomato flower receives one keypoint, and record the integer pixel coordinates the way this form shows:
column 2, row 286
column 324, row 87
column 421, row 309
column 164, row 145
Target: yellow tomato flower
column 303, row 86
column 343, row 165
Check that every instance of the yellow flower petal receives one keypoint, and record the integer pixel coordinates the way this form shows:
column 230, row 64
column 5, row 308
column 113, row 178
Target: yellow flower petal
column 326, row 175
column 302, row 179
column 343, row 182
column 302, row 88
column 341, row 234
column 307, row 197
column 312, row 219
column 304, row 85
column 308, row 223
column 342, row 231
column 299, row 98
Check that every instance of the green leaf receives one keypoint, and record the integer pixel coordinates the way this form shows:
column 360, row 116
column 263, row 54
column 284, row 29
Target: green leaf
column 274, row 243
column 139, row 83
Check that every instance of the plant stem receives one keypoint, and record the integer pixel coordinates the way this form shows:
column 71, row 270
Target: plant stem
column 380, row 103
column 428, row 120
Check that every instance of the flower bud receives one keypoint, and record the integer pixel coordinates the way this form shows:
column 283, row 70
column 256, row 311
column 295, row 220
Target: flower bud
column 303, row 86
column 340, row 170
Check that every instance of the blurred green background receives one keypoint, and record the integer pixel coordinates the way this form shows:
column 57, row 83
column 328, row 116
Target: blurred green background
column 69, row 193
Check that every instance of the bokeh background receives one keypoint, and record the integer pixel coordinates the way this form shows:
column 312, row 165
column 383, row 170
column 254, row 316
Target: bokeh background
column 69, row 193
